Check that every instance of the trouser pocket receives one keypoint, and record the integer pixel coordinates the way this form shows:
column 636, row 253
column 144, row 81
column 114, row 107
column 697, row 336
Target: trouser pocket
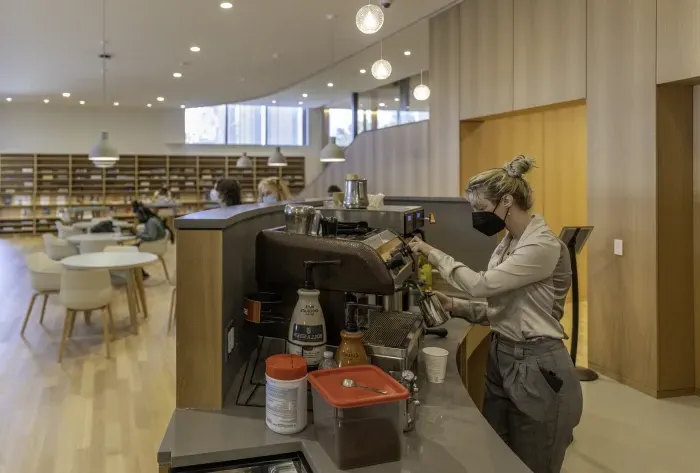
column 527, row 387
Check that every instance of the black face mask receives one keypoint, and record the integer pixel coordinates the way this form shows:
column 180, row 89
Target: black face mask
column 488, row 223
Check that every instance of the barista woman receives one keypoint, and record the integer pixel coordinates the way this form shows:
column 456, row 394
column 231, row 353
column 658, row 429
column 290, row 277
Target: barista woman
column 533, row 396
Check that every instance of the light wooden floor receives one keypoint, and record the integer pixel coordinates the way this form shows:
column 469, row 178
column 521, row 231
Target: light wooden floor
column 87, row 414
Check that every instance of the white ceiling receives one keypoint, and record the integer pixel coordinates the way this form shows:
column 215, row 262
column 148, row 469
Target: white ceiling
column 52, row 46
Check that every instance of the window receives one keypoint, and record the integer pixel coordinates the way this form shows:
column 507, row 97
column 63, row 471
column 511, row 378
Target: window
column 387, row 118
column 245, row 124
column 340, row 125
column 206, row 125
column 286, row 126
column 408, row 116
column 255, row 125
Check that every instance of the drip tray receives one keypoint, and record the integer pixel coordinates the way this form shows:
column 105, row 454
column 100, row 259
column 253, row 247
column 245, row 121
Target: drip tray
column 393, row 334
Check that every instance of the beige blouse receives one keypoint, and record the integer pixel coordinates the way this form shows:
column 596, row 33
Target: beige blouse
column 525, row 290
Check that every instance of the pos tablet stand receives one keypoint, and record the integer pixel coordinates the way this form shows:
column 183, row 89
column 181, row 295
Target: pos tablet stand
column 575, row 238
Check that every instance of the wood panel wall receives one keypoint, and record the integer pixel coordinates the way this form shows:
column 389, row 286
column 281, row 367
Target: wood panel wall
column 486, row 57
column 556, row 138
column 696, row 229
column 394, row 160
column 444, row 124
column 621, row 108
column 549, row 52
column 678, row 40
column 674, row 166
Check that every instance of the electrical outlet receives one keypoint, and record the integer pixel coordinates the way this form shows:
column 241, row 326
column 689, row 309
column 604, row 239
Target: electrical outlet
column 617, row 247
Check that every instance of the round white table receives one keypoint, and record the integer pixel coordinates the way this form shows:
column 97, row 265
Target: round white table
column 116, row 261
column 111, row 237
column 85, row 226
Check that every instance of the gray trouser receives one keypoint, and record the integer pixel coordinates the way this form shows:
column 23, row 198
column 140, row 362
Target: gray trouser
column 533, row 420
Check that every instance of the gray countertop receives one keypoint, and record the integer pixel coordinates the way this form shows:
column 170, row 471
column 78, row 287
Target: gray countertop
column 451, row 435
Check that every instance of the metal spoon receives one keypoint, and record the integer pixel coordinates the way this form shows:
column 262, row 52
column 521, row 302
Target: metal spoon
column 350, row 383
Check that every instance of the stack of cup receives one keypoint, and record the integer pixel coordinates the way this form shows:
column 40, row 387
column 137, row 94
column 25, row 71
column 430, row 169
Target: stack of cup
column 435, row 363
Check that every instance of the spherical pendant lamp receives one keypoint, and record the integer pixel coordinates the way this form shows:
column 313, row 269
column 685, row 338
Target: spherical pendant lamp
column 421, row 92
column 381, row 69
column 369, row 19
column 332, row 153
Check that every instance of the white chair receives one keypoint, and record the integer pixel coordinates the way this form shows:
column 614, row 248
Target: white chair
column 158, row 248
column 85, row 291
column 45, row 275
column 56, row 248
column 93, row 246
column 64, row 231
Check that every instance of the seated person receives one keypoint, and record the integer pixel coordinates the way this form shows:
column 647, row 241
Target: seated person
column 332, row 189
column 226, row 192
column 273, row 189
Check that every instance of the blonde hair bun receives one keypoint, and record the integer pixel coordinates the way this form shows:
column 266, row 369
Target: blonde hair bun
column 519, row 165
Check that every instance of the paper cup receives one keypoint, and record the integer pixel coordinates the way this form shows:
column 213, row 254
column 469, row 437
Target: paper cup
column 435, row 363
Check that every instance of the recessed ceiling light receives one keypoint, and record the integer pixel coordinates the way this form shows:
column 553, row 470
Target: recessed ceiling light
column 116, row 104
column 160, row 99
column 82, row 102
column 177, row 75
column 274, row 101
column 46, row 100
column 9, row 99
column 66, row 94
column 242, row 79
column 301, row 103
column 382, row 104
column 275, row 56
column 363, row 71
column 407, row 53
column 195, row 49
column 304, row 95
column 396, row 99
column 330, row 84
column 149, row 105
column 182, row 106
column 226, row 5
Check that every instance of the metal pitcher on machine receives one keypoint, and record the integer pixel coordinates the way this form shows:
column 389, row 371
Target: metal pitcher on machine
column 356, row 196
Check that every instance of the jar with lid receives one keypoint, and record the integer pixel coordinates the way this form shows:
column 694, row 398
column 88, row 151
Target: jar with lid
column 285, row 393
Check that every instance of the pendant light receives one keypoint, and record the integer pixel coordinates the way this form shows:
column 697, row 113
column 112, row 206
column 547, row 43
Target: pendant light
column 381, row 69
column 244, row 161
column 103, row 154
column 421, row 91
column 332, row 153
column 277, row 159
column 369, row 19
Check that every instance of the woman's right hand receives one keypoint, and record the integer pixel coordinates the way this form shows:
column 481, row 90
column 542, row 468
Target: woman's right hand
column 446, row 301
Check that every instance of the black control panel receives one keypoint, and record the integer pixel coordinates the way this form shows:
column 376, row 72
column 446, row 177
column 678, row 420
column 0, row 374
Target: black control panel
column 413, row 221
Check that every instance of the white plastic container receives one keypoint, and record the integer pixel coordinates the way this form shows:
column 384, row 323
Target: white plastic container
column 286, row 393
column 307, row 329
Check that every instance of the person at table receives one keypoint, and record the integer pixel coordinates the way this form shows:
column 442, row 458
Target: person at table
column 332, row 189
column 533, row 395
column 273, row 189
column 226, row 192
column 153, row 227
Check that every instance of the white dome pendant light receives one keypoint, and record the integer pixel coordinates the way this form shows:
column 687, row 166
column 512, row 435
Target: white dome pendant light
column 381, row 69
column 369, row 19
column 244, row 161
column 421, row 91
column 102, row 154
column 332, row 153
column 277, row 159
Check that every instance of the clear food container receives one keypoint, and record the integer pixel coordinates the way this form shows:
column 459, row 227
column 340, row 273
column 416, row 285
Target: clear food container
column 355, row 426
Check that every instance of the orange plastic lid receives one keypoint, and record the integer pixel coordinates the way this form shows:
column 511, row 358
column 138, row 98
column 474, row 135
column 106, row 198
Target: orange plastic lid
column 285, row 367
column 328, row 383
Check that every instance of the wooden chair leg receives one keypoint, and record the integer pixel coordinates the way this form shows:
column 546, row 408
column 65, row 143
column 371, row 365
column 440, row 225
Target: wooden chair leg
column 171, row 316
column 73, row 316
column 165, row 267
column 88, row 316
column 105, row 329
column 66, row 327
column 29, row 312
column 141, row 292
column 111, row 320
column 43, row 309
